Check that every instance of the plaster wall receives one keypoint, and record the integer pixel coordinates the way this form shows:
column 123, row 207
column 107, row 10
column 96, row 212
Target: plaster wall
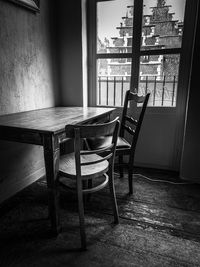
column 28, row 81
column 70, row 43
column 190, row 162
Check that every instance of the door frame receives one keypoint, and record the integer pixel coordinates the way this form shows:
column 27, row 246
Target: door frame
column 185, row 52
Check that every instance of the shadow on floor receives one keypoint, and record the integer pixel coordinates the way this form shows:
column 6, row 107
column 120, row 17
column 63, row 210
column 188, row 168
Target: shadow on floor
column 159, row 226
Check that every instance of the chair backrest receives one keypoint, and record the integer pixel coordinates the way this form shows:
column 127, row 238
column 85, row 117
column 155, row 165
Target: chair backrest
column 131, row 124
column 79, row 132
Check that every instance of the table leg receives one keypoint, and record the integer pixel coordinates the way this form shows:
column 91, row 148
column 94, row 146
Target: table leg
column 51, row 156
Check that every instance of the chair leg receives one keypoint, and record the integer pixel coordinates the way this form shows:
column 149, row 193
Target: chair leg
column 84, row 186
column 130, row 180
column 87, row 184
column 113, row 198
column 121, row 169
column 81, row 215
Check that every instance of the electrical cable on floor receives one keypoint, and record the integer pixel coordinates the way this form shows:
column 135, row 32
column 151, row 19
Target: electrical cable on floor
column 162, row 181
column 150, row 179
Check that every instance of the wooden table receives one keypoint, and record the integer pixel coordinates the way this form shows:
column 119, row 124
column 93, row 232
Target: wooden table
column 46, row 127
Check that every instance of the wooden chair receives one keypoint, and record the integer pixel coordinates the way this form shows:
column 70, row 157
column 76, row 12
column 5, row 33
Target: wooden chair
column 83, row 166
column 125, row 146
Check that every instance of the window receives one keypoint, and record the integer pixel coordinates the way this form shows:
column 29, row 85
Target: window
column 160, row 50
column 145, row 34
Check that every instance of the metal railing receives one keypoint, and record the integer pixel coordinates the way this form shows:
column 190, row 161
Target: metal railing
column 112, row 89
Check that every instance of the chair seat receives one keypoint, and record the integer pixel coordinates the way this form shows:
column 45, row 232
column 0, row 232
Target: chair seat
column 67, row 166
column 101, row 142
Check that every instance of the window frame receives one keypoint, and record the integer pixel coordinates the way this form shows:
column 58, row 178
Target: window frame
column 185, row 51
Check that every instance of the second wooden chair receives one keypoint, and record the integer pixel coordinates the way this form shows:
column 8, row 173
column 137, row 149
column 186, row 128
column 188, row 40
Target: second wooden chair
column 128, row 136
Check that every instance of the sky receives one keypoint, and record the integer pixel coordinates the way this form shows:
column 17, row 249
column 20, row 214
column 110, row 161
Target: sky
column 110, row 13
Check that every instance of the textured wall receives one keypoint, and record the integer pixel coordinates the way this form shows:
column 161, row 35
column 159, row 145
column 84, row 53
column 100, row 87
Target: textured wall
column 71, row 53
column 27, row 81
column 26, row 74
column 190, row 162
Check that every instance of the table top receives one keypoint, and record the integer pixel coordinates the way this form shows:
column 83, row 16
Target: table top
column 51, row 119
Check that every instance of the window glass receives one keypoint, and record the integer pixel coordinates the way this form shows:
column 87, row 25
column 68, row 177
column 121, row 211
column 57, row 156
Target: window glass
column 113, row 80
column 114, row 26
column 162, row 24
column 159, row 75
column 162, row 29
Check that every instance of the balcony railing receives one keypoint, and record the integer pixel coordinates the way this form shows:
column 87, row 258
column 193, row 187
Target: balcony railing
column 112, row 89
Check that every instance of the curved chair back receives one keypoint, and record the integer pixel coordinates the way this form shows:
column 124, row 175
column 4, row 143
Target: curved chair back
column 79, row 132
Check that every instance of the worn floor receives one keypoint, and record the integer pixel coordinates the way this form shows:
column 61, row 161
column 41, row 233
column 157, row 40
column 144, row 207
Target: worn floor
column 159, row 226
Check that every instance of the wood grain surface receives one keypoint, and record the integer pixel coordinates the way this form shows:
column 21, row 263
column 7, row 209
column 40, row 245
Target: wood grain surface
column 45, row 127
column 51, row 119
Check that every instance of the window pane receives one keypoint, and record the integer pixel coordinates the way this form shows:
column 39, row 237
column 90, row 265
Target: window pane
column 162, row 24
column 159, row 75
column 114, row 26
column 113, row 80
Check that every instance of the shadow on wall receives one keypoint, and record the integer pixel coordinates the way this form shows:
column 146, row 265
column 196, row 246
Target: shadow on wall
column 21, row 164
column 28, row 81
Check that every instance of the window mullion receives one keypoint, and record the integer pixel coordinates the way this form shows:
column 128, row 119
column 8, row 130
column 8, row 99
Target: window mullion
column 136, row 42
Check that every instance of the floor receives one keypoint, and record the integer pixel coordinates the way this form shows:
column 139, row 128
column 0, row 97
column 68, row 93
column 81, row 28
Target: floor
column 159, row 226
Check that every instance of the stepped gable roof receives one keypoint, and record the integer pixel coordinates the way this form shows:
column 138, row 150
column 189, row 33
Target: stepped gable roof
column 164, row 21
column 148, row 25
column 150, row 15
column 169, row 36
column 161, row 3
column 124, row 27
column 154, row 46
column 156, row 7
column 119, row 37
column 127, row 46
column 180, row 24
column 155, row 35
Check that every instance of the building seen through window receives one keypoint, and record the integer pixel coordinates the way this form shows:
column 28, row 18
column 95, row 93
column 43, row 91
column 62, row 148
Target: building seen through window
column 160, row 50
